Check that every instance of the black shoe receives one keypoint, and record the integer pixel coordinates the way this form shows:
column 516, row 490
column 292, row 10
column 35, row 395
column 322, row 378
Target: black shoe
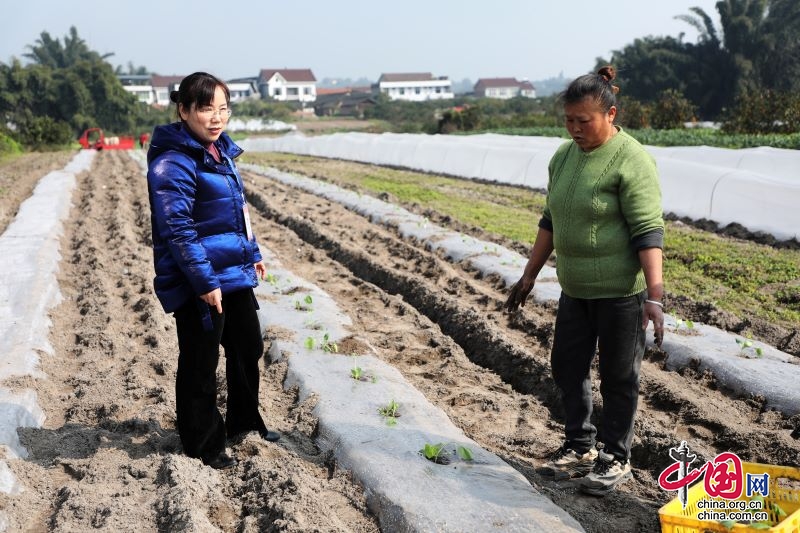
column 222, row 461
column 269, row 436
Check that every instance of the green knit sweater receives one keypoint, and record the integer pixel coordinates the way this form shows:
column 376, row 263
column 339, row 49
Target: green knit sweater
column 597, row 203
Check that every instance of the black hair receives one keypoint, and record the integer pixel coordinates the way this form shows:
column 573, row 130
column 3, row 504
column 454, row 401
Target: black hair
column 197, row 89
column 597, row 86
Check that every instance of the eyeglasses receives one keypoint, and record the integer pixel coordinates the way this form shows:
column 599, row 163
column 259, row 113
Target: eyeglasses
column 209, row 112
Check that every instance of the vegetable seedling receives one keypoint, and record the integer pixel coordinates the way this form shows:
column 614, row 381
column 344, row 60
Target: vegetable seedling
column 390, row 412
column 679, row 322
column 305, row 305
column 779, row 514
column 744, row 344
column 328, row 345
column 309, row 343
column 358, row 374
column 356, row 371
column 434, row 453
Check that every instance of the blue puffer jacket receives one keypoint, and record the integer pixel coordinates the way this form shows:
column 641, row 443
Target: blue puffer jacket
column 199, row 236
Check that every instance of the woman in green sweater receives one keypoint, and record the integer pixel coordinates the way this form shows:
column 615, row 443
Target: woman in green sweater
column 604, row 219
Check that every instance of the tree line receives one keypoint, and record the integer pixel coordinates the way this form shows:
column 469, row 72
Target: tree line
column 743, row 71
column 66, row 88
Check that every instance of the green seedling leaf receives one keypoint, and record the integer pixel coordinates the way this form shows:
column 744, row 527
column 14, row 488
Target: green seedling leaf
column 356, row 372
column 329, row 346
column 759, row 352
column 465, row 453
column 431, row 451
column 390, row 411
column 308, row 299
column 780, row 513
column 310, row 343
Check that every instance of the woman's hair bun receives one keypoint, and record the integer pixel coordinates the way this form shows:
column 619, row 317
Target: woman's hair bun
column 608, row 72
column 174, row 96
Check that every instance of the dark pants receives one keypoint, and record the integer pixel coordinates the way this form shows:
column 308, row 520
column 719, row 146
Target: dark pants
column 200, row 424
column 611, row 327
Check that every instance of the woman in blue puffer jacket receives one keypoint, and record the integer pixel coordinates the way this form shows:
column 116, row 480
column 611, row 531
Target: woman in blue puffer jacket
column 207, row 263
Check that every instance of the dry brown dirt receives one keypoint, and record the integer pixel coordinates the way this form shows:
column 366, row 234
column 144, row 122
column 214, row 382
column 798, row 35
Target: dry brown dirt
column 108, row 458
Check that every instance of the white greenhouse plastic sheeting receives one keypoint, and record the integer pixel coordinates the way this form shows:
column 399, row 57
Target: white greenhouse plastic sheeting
column 403, row 489
column 772, row 375
column 758, row 188
column 29, row 256
column 257, row 124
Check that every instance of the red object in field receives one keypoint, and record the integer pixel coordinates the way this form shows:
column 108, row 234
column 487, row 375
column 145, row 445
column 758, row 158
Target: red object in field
column 94, row 138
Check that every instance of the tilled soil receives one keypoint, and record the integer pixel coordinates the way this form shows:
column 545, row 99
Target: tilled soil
column 108, row 455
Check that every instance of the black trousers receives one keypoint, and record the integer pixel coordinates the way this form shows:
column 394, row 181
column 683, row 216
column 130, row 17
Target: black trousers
column 201, row 427
column 612, row 328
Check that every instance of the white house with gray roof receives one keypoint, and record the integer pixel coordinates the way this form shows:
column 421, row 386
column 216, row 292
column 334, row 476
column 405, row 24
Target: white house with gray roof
column 288, row 85
column 504, row 88
column 414, row 87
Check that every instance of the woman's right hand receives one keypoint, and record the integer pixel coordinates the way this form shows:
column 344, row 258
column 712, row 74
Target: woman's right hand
column 519, row 293
column 213, row 299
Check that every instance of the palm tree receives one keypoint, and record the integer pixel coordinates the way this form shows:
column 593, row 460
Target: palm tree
column 725, row 58
column 50, row 53
column 703, row 24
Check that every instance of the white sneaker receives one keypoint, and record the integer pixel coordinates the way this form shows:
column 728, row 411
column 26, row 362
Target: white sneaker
column 566, row 463
column 607, row 473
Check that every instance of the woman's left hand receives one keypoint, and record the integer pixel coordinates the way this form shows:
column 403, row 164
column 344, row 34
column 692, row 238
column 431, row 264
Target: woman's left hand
column 261, row 270
column 656, row 314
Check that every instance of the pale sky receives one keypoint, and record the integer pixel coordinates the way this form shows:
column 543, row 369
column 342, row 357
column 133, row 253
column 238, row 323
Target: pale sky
column 347, row 38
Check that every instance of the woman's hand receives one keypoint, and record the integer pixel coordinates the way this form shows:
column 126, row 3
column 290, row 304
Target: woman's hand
column 213, row 299
column 261, row 270
column 654, row 312
column 519, row 293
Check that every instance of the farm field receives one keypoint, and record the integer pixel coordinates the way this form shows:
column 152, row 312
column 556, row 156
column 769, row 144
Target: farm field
column 108, row 455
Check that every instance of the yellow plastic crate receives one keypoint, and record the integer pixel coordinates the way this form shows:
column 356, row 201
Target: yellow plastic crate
column 675, row 519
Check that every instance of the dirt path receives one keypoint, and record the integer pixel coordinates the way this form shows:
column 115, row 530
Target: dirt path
column 108, row 455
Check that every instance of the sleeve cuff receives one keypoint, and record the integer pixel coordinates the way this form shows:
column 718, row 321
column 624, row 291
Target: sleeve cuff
column 652, row 239
column 546, row 223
